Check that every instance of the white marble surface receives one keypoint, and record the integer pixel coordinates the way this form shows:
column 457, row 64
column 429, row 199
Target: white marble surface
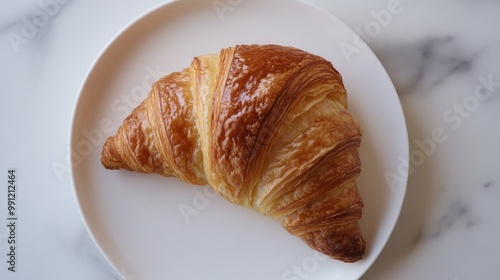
column 443, row 57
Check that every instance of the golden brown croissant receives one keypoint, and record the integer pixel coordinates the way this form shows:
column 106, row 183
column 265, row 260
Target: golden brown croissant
column 266, row 127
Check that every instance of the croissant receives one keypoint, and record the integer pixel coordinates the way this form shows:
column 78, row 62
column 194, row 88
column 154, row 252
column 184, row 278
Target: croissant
column 266, row 127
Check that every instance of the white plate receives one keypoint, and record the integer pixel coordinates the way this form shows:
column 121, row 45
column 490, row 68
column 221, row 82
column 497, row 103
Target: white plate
column 135, row 219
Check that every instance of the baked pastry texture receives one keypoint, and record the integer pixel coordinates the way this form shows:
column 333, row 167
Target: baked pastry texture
column 266, row 127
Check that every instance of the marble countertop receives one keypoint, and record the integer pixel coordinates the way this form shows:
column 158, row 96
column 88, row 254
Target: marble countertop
column 443, row 57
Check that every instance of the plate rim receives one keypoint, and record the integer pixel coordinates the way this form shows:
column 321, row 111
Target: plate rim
column 143, row 15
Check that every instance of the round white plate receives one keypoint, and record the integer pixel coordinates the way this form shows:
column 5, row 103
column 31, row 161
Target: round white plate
column 151, row 227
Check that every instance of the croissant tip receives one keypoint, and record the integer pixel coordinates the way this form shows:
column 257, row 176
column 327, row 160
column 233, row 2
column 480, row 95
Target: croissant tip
column 188, row 127
column 353, row 253
column 348, row 253
column 344, row 243
column 108, row 155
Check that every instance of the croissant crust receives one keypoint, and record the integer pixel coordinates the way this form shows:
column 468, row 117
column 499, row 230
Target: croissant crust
column 267, row 127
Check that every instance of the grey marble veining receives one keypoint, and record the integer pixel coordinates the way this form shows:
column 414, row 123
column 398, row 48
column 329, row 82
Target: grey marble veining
column 434, row 51
column 87, row 252
column 429, row 63
column 30, row 28
column 458, row 214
